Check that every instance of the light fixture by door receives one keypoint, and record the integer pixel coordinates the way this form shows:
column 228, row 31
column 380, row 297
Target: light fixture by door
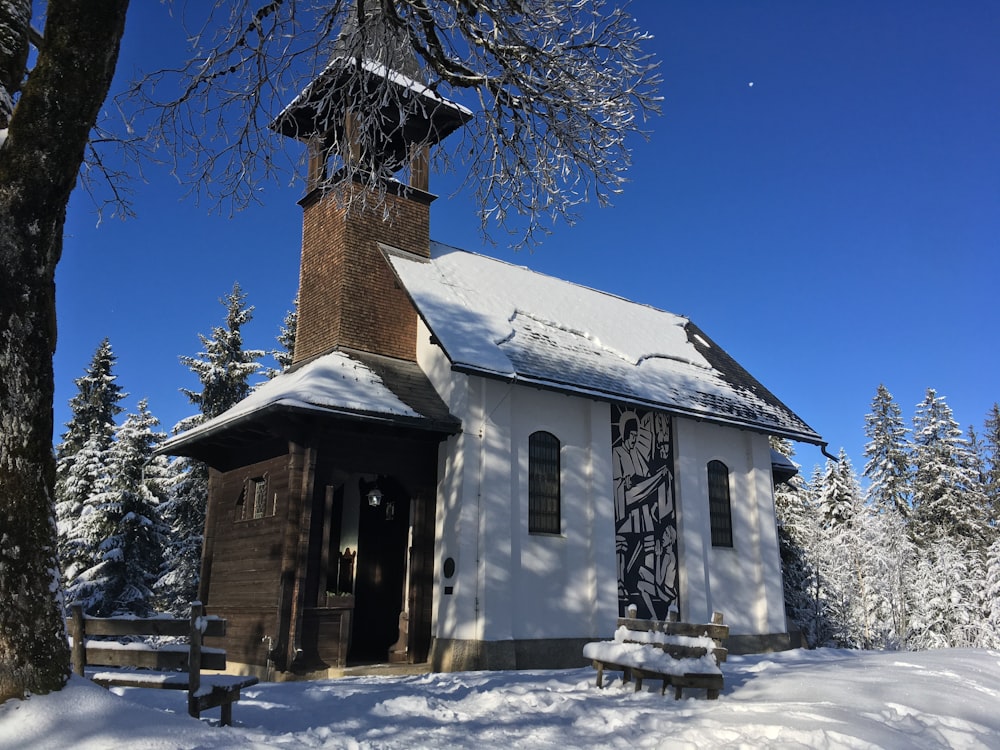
column 374, row 497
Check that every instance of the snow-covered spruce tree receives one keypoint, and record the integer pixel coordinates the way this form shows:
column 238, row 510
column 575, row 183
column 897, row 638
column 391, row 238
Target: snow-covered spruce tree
column 184, row 514
column 286, row 340
column 888, row 463
column 978, row 495
column 795, row 524
column 841, row 554
column 947, row 501
column 839, row 491
column 991, row 483
column 224, row 369
column 991, row 591
column 125, row 524
column 87, row 478
column 81, row 456
column 96, row 404
column 857, row 559
column 45, row 119
column 891, row 555
column 889, row 558
column 946, row 602
column 811, row 606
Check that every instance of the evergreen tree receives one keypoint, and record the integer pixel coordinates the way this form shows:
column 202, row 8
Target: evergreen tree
column 85, row 479
column 841, row 552
column 947, row 500
column 890, row 558
column 977, row 492
column 95, row 405
column 839, row 494
column 794, row 520
column 81, row 456
column 946, row 608
column 887, row 467
column 224, row 369
column 810, row 604
column 286, row 339
column 991, row 591
column 125, row 524
column 184, row 513
column 991, row 466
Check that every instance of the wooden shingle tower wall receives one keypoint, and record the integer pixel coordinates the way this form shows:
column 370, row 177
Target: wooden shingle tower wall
column 348, row 296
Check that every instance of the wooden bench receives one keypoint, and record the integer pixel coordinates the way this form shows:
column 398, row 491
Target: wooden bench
column 172, row 666
column 682, row 654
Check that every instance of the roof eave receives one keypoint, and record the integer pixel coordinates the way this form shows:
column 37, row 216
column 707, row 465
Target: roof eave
column 810, row 437
column 208, row 432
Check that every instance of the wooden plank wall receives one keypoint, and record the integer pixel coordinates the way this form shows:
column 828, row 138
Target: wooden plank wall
column 247, row 631
column 246, row 559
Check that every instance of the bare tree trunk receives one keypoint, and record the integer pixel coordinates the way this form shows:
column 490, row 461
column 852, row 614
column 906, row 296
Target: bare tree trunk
column 48, row 131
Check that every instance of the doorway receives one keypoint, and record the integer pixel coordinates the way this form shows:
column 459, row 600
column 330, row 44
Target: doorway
column 380, row 572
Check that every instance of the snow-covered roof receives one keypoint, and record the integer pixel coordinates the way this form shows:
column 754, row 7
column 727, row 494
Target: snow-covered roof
column 501, row 320
column 351, row 384
column 430, row 117
column 378, row 69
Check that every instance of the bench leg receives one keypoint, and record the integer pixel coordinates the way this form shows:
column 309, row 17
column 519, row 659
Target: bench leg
column 626, row 675
column 600, row 674
column 677, row 693
column 713, row 695
column 227, row 714
column 193, row 710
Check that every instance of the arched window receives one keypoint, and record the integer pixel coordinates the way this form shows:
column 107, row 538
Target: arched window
column 719, row 508
column 543, row 484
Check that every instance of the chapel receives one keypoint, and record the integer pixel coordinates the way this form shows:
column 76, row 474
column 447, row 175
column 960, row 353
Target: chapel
column 469, row 464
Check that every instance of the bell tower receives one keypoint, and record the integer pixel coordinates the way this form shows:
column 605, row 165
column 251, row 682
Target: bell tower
column 365, row 119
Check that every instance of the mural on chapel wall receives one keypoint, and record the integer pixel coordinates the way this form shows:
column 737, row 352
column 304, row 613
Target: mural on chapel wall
column 645, row 515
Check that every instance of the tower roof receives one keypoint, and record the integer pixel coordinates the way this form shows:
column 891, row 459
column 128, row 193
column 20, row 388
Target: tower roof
column 374, row 72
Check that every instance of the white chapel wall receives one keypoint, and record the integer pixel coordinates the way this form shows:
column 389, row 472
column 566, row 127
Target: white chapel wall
column 509, row 584
column 565, row 584
column 743, row 582
column 512, row 585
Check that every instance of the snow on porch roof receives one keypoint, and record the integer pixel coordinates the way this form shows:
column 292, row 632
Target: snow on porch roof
column 356, row 384
column 497, row 319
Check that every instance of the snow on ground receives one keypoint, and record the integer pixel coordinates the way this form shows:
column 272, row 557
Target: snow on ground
column 796, row 699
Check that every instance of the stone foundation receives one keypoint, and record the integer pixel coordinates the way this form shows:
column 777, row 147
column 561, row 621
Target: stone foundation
column 450, row 655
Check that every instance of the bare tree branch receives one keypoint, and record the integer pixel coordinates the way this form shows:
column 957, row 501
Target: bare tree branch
column 558, row 87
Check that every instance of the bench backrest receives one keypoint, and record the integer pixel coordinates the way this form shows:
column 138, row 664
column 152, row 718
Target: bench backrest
column 179, row 656
column 172, row 626
column 716, row 631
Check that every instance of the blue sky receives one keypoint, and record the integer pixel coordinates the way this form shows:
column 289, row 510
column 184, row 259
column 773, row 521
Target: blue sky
column 833, row 225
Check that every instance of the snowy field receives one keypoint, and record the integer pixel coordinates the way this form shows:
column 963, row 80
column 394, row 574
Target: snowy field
column 797, row 699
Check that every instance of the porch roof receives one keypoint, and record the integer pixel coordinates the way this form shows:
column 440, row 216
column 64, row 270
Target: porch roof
column 343, row 384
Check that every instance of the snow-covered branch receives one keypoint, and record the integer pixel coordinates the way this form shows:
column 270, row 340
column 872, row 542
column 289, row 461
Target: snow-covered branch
column 558, row 89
